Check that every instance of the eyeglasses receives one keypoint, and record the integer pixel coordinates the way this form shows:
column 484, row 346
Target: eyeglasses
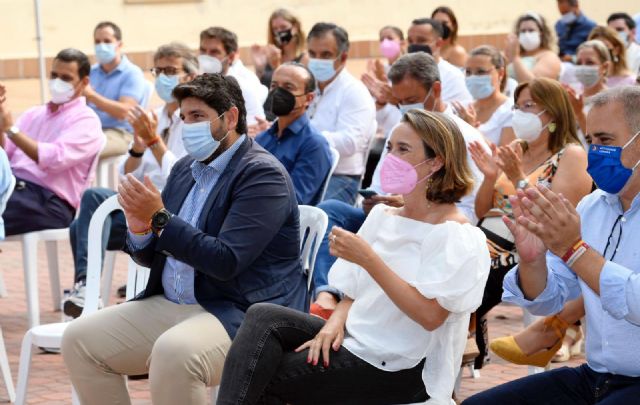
column 527, row 106
column 169, row 71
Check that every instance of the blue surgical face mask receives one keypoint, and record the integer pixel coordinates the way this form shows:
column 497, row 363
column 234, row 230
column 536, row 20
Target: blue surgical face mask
column 105, row 53
column 479, row 86
column 165, row 85
column 606, row 168
column 420, row 106
column 624, row 37
column 198, row 141
column 322, row 69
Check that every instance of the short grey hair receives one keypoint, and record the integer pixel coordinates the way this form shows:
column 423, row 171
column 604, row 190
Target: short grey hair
column 419, row 66
column 178, row 50
column 628, row 96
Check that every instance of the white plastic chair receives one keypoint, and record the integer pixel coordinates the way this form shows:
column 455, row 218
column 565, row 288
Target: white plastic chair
column 6, row 372
column 50, row 335
column 107, row 176
column 335, row 156
column 30, row 257
column 313, row 225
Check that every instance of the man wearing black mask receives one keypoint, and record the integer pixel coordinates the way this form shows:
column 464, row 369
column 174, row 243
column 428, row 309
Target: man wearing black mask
column 301, row 148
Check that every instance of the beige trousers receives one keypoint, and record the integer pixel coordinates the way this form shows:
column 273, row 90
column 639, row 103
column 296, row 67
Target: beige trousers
column 181, row 347
column 118, row 141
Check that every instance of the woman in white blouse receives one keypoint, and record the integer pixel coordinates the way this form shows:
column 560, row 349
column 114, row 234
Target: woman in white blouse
column 411, row 277
column 491, row 110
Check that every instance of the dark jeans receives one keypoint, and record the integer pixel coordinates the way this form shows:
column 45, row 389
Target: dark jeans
column 343, row 188
column 262, row 367
column 32, row 207
column 563, row 386
column 345, row 216
column 113, row 233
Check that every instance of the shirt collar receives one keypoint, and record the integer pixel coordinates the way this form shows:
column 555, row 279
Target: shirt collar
column 295, row 127
column 217, row 165
column 124, row 63
column 67, row 106
column 614, row 200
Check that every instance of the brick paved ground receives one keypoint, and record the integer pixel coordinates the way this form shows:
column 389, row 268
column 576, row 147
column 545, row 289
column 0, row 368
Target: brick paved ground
column 49, row 382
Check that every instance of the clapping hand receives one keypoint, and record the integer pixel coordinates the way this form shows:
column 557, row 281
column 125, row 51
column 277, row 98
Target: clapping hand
column 139, row 201
column 512, row 49
column 546, row 217
column 467, row 113
column 145, row 124
column 6, row 120
column 486, row 163
column 510, row 161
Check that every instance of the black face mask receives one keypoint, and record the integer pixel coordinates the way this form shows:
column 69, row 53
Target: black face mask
column 283, row 37
column 419, row 48
column 282, row 101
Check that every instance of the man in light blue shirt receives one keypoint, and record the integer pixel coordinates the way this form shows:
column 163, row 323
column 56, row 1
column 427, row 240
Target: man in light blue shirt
column 6, row 183
column 592, row 250
column 116, row 86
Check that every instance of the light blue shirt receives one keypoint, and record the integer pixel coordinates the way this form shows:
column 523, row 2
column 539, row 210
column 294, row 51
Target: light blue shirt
column 178, row 277
column 5, row 182
column 126, row 80
column 613, row 318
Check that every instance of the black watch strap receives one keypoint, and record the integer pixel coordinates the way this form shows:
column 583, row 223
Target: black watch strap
column 135, row 154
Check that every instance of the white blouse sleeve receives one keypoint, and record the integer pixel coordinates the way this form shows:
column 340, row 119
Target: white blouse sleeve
column 343, row 275
column 455, row 267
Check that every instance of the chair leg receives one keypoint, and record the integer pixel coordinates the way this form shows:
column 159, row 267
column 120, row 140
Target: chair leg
column 30, row 266
column 214, row 394
column 6, row 373
column 107, row 275
column 54, row 273
column 23, row 371
column 74, row 397
column 3, row 288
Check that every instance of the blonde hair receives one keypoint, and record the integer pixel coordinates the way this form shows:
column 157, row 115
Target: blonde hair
column 442, row 138
column 619, row 61
column 599, row 47
column 550, row 95
column 286, row 15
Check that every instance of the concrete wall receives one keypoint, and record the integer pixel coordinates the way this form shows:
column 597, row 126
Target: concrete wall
column 69, row 23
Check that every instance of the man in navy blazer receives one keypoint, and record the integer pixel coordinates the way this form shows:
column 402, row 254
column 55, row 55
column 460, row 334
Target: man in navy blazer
column 223, row 235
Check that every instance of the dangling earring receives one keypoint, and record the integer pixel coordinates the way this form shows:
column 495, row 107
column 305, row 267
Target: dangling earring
column 552, row 127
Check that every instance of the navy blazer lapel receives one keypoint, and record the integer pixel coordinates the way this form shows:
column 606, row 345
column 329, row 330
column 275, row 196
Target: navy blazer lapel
column 181, row 185
column 222, row 181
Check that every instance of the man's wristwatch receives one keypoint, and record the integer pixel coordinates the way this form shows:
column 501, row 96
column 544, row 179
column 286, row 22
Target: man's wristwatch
column 135, row 154
column 159, row 220
column 522, row 184
column 13, row 131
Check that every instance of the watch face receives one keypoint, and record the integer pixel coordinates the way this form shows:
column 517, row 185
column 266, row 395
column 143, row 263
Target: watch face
column 160, row 219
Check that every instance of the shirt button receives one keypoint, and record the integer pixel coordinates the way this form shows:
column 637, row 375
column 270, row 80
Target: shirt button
column 624, row 219
column 384, row 363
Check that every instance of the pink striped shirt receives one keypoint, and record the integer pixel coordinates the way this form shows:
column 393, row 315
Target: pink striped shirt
column 68, row 141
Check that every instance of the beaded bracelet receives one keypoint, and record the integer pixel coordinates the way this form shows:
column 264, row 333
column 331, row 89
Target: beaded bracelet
column 153, row 142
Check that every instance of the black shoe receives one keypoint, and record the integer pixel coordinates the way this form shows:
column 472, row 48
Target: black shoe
column 122, row 291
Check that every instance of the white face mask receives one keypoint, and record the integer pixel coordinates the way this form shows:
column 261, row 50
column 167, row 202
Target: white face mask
column 527, row 126
column 587, row 75
column 529, row 40
column 568, row 17
column 61, row 91
column 419, row 106
column 209, row 64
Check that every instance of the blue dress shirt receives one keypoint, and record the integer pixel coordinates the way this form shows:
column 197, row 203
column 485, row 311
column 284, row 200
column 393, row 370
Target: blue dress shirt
column 304, row 152
column 126, row 80
column 613, row 318
column 178, row 277
column 570, row 36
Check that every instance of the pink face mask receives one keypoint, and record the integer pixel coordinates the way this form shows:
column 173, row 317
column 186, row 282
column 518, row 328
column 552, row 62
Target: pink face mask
column 389, row 49
column 398, row 176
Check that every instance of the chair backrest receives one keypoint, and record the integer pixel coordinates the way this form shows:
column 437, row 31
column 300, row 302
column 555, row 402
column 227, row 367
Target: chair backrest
column 94, row 165
column 313, row 225
column 335, row 156
column 94, row 256
column 137, row 277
